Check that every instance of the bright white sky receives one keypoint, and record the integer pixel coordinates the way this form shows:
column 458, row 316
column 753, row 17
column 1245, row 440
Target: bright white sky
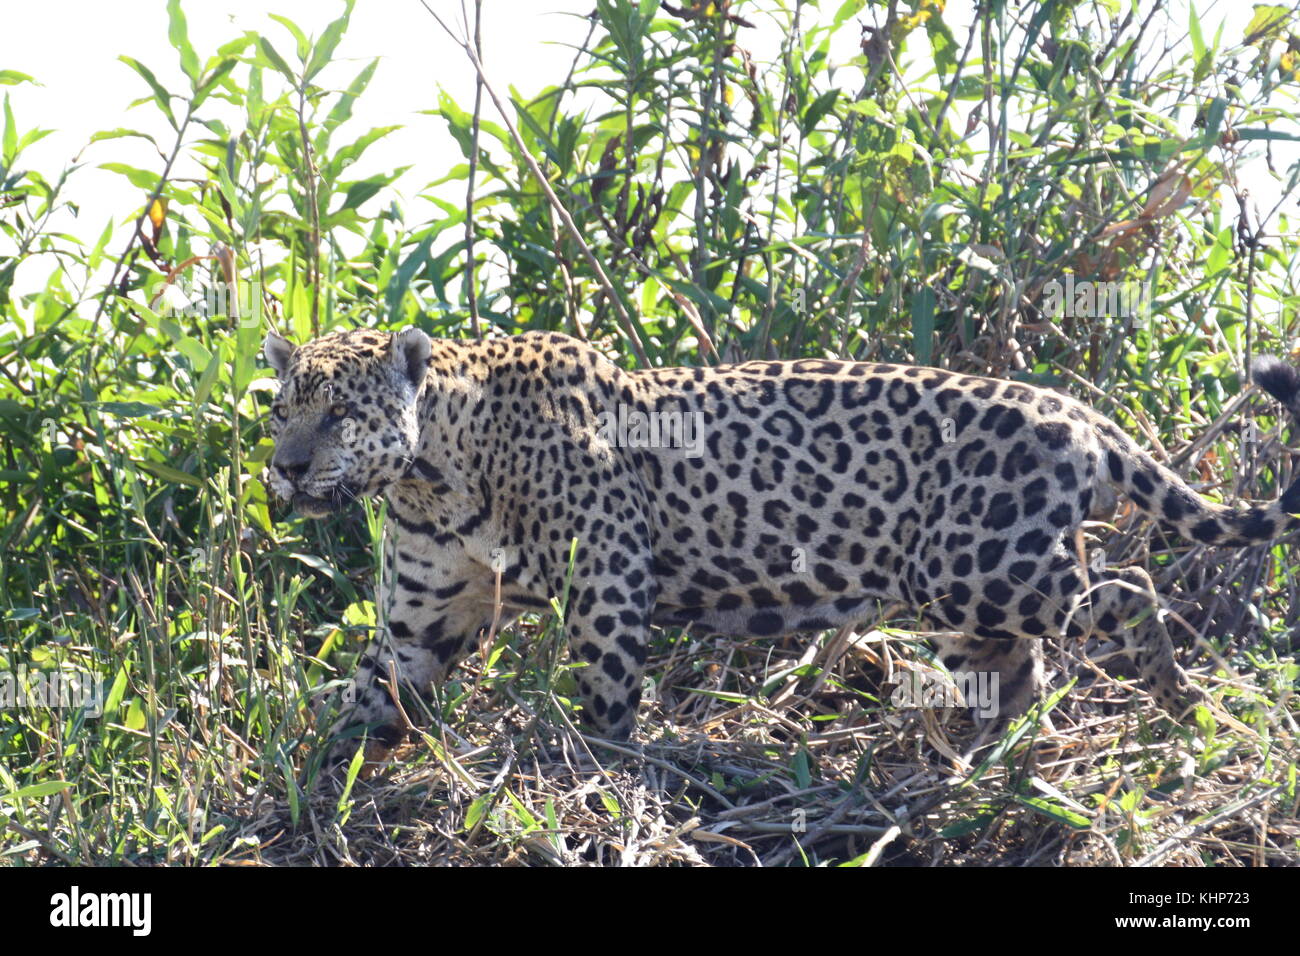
column 71, row 47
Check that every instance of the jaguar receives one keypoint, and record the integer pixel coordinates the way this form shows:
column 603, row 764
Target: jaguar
column 754, row 499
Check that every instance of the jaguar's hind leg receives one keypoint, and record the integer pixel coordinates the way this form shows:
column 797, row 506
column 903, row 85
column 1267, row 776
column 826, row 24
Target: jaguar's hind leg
column 1006, row 672
column 1124, row 608
column 1054, row 598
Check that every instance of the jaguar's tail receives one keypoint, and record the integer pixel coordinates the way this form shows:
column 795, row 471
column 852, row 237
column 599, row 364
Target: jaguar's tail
column 1162, row 494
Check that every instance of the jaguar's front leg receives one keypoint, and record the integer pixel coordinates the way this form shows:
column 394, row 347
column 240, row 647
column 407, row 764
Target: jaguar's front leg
column 608, row 624
column 436, row 610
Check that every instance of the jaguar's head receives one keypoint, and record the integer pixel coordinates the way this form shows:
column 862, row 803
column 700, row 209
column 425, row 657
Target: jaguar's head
column 346, row 419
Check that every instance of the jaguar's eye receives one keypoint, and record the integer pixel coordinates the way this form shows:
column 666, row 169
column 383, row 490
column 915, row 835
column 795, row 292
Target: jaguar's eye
column 337, row 412
column 277, row 412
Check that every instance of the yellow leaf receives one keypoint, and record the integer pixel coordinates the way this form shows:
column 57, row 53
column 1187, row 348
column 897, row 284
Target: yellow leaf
column 157, row 213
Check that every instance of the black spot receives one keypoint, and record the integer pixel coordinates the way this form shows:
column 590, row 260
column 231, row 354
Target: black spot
column 632, row 648
column 1062, row 516
column 998, row 591
column 612, row 665
column 990, row 553
column 800, row 594
column 1002, row 512
column 1020, row 571
column 1116, row 465
column 1033, row 542
column 1177, row 504
column 1207, row 531
column 1055, row 435
column 829, row 578
column 1011, row 423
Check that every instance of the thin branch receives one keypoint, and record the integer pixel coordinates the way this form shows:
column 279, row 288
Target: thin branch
column 624, row 320
column 126, row 257
column 471, row 233
column 310, row 173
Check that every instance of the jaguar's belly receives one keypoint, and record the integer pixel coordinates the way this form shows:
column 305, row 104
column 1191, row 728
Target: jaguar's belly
column 754, row 621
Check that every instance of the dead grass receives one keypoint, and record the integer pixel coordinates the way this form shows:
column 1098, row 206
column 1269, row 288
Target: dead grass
column 819, row 769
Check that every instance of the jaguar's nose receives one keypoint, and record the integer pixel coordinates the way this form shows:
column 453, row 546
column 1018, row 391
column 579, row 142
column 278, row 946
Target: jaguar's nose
column 294, row 467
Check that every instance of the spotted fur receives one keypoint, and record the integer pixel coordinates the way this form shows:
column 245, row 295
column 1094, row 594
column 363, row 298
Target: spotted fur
column 821, row 489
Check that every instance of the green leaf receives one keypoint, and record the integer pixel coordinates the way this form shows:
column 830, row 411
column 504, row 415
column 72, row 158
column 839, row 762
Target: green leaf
column 320, row 57
column 942, row 43
column 347, row 155
column 969, row 825
column 141, row 179
column 160, row 94
column 204, row 388
column 130, row 409
column 117, row 691
column 274, row 60
column 178, row 35
column 32, row 136
column 1268, row 134
column 167, row 473
column 135, row 715
column 525, row 816
column 300, row 38
column 13, row 78
column 1214, row 119
column 119, row 133
column 195, row 351
column 405, row 272
column 36, row 791
column 819, row 108
column 359, row 192
column 1205, row 722
column 341, row 112
column 923, row 305
column 848, row 9
column 9, row 142
column 210, row 81
column 354, row 769
column 475, row 811
column 1194, row 30
column 1220, row 254
column 1056, row 812
column 1268, row 21
column 802, row 769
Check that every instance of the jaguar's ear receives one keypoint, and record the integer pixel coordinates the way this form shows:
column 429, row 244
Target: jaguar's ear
column 278, row 350
column 409, row 351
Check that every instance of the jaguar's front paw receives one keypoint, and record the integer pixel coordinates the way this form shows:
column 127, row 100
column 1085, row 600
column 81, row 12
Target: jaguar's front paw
column 1180, row 697
column 377, row 745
